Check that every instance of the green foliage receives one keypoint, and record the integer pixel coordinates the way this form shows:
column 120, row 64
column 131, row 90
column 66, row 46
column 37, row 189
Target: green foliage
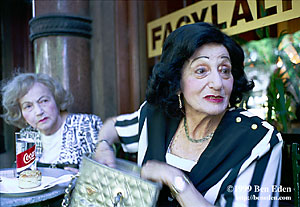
column 265, row 50
column 283, row 91
column 279, row 101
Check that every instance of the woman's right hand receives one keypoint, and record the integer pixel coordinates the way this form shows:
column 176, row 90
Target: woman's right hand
column 107, row 137
column 105, row 154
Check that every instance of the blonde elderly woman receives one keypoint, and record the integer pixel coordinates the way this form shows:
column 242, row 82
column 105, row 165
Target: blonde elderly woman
column 39, row 102
column 188, row 133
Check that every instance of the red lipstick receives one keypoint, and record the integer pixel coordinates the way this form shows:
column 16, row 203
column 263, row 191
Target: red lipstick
column 214, row 99
column 43, row 120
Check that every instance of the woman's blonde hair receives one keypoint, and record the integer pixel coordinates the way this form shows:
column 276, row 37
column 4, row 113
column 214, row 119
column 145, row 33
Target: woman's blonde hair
column 18, row 87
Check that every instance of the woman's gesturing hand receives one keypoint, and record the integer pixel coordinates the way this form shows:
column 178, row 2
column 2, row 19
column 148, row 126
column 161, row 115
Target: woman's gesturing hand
column 159, row 172
column 166, row 174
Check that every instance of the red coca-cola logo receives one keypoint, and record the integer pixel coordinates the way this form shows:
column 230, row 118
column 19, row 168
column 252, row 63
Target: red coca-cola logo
column 26, row 158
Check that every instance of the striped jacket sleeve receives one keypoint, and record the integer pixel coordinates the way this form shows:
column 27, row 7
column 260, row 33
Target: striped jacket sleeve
column 257, row 178
column 127, row 126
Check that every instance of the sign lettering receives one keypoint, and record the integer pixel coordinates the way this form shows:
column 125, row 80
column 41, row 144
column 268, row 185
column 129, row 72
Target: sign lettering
column 231, row 16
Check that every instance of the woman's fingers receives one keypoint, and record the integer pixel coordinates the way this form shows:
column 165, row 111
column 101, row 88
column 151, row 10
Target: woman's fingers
column 74, row 170
column 105, row 155
column 158, row 171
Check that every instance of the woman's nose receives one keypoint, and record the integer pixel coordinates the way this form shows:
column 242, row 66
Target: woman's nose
column 215, row 80
column 38, row 110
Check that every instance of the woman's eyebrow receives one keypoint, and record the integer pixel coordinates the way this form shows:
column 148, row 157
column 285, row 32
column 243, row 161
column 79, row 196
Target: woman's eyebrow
column 43, row 96
column 226, row 57
column 25, row 102
column 39, row 99
column 202, row 56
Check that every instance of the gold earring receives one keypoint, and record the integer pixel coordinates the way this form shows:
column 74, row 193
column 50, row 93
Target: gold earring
column 180, row 103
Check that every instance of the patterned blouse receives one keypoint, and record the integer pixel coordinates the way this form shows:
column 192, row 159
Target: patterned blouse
column 80, row 134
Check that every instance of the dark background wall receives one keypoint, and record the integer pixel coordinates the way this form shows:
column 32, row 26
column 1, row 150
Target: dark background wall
column 15, row 56
column 118, row 66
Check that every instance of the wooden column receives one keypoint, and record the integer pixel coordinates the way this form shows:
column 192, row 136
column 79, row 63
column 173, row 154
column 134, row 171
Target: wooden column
column 129, row 56
column 61, row 31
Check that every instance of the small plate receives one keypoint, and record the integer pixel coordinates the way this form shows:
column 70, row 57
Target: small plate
column 10, row 186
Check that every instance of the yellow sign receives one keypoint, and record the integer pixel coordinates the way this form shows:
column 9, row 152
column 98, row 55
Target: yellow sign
column 231, row 16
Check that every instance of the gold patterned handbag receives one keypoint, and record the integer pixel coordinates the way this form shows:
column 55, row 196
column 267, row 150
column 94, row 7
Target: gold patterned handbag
column 101, row 186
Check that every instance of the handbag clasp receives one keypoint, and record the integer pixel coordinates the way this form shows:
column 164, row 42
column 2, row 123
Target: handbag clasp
column 118, row 199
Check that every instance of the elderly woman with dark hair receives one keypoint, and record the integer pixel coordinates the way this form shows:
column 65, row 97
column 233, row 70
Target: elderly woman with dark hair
column 39, row 102
column 190, row 135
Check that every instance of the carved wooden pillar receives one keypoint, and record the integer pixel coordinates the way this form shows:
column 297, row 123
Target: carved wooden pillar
column 61, row 31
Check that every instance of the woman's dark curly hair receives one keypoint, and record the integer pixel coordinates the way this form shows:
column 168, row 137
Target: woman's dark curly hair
column 179, row 46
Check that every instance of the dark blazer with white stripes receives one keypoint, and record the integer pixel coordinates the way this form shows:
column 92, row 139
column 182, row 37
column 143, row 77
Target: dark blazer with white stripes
column 241, row 166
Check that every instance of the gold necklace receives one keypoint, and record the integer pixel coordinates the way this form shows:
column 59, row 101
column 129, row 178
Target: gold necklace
column 195, row 140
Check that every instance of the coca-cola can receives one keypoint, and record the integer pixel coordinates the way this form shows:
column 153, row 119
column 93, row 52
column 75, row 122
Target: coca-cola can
column 25, row 153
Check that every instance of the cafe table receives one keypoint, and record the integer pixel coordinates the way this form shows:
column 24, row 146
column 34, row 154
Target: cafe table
column 34, row 197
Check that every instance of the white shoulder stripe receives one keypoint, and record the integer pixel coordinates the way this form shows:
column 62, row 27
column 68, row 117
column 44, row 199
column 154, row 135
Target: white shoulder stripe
column 279, row 136
column 264, row 145
column 128, row 131
column 143, row 144
column 132, row 148
column 212, row 194
column 267, row 125
column 247, row 113
column 269, row 177
column 259, row 150
column 127, row 116
column 242, row 186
